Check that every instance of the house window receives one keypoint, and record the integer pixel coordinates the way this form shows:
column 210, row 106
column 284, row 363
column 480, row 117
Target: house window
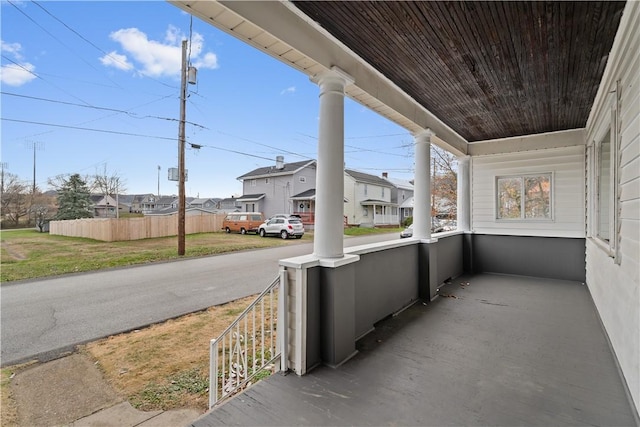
column 604, row 196
column 382, row 191
column 365, row 211
column 266, row 180
column 524, row 197
column 302, row 179
column 366, row 188
column 253, row 183
column 604, row 180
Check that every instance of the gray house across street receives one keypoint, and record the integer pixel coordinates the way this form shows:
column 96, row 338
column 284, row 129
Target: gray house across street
column 273, row 189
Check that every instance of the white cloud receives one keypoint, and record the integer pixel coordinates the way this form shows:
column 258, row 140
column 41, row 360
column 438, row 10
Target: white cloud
column 12, row 48
column 290, row 89
column 14, row 75
column 209, row 60
column 18, row 73
column 173, row 35
column 157, row 58
column 114, row 59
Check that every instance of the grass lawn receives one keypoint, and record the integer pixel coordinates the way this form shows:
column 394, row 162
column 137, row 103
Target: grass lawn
column 27, row 254
column 357, row 231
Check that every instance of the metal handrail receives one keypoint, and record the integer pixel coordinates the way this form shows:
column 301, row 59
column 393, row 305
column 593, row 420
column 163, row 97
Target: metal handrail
column 250, row 345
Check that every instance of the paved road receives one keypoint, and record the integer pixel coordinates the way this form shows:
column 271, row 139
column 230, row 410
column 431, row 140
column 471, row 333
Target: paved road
column 41, row 319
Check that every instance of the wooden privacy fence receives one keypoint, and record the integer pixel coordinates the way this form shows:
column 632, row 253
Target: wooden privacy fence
column 115, row 230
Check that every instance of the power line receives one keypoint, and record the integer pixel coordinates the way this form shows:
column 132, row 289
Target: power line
column 76, row 80
column 265, row 145
column 360, row 137
column 44, row 80
column 96, row 119
column 129, row 113
column 230, row 151
column 87, row 129
column 360, row 149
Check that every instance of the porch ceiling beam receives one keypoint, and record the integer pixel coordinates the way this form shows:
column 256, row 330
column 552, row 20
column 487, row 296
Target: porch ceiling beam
column 566, row 138
column 305, row 46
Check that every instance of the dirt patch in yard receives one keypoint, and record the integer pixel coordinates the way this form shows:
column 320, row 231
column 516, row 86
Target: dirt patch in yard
column 166, row 365
column 11, row 253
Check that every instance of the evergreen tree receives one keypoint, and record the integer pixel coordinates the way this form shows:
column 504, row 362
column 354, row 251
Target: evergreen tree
column 73, row 199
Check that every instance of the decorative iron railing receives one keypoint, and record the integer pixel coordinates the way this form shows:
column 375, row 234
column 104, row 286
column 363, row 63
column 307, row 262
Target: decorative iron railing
column 251, row 347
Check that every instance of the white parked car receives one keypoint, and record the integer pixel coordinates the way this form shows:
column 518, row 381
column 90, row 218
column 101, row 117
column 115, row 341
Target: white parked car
column 407, row 232
column 283, row 227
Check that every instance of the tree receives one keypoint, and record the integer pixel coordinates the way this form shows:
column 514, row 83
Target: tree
column 444, row 183
column 43, row 209
column 73, row 199
column 107, row 183
column 14, row 197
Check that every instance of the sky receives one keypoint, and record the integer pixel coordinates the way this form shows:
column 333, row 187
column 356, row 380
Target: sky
column 92, row 86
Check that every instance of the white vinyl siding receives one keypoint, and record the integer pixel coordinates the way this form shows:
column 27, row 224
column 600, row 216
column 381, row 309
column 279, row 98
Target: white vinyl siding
column 613, row 277
column 567, row 192
column 355, row 192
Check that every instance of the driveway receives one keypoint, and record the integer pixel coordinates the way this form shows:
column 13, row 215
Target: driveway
column 44, row 318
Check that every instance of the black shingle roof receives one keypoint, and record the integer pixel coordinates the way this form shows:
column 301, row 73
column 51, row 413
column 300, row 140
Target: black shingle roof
column 270, row 170
column 370, row 179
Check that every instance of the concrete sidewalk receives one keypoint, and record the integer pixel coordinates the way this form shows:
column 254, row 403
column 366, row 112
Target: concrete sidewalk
column 72, row 391
column 124, row 415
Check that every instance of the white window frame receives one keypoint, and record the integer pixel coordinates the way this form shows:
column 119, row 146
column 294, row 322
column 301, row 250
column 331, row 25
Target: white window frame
column 253, row 183
column 522, row 177
column 609, row 123
column 302, row 179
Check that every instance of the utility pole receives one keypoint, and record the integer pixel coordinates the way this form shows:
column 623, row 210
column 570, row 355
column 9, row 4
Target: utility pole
column 36, row 145
column 158, row 181
column 181, row 143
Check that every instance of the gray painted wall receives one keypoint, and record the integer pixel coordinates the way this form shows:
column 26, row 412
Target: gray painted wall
column 313, row 318
column 386, row 281
column 450, row 257
column 337, row 300
column 551, row 257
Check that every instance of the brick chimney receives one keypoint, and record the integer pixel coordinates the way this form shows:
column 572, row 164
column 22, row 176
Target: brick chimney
column 385, row 175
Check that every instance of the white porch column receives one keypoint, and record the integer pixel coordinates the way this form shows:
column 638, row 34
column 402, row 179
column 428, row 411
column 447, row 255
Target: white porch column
column 329, row 227
column 464, row 193
column 422, row 186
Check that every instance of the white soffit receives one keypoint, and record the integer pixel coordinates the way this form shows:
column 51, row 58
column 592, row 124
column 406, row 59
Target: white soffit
column 283, row 32
column 565, row 138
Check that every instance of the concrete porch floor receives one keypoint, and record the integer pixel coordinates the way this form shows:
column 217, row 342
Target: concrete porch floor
column 503, row 350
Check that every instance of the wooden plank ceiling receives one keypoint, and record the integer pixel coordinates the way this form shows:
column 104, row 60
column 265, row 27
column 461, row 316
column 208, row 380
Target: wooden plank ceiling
column 487, row 69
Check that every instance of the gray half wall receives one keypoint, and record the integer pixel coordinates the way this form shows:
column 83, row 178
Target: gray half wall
column 386, row 282
column 551, row 257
